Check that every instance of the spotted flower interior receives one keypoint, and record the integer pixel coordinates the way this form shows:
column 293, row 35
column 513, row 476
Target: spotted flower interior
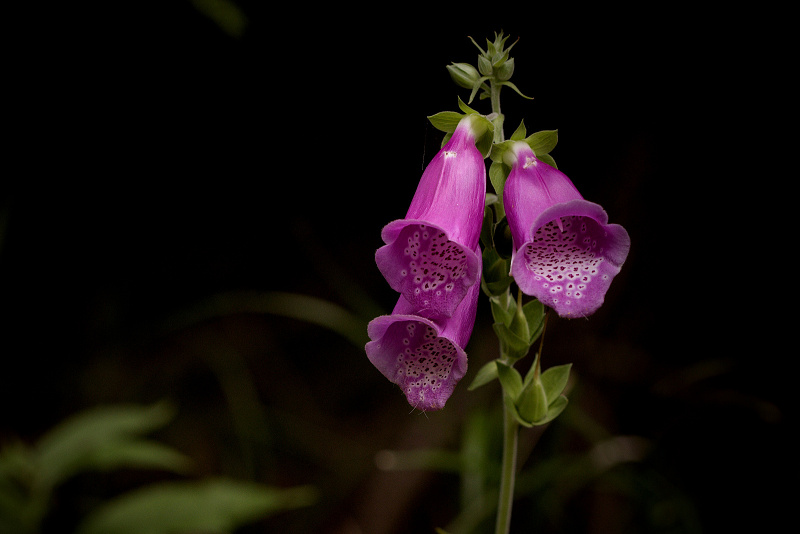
column 565, row 265
column 430, row 271
column 425, row 365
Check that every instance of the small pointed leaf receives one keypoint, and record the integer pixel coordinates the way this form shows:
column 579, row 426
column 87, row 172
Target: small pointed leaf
column 519, row 133
column 486, row 374
column 446, row 121
column 514, row 87
column 555, row 380
column 510, row 379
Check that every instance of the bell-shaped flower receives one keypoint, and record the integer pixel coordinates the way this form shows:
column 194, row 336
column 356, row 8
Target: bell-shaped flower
column 565, row 252
column 429, row 256
column 424, row 356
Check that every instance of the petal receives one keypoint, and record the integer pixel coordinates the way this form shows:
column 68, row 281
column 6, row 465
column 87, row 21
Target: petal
column 531, row 188
column 422, row 356
column 571, row 258
column 432, row 272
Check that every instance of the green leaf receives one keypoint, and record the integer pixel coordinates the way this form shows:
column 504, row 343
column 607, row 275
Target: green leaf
column 139, row 454
column 510, row 379
column 486, row 374
column 105, row 438
column 446, row 121
column 542, row 142
column 554, row 380
column 214, row 505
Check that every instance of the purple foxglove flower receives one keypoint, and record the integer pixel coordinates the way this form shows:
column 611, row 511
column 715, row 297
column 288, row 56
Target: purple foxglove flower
column 429, row 256
column 565, row 252
column 424, row 356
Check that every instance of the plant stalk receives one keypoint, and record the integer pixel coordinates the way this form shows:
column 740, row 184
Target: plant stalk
column 508, row 472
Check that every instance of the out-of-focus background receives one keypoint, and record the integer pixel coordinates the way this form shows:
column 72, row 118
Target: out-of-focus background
column 198, row 193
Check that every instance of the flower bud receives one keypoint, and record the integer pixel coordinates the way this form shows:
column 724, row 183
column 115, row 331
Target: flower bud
column 464, row 74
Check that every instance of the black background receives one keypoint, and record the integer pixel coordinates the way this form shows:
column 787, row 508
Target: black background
column 158, row 161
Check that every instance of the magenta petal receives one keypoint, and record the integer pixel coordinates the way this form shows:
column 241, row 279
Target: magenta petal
column 430, row 271
column 571, row 257
column 423, row 356
column 429, row 255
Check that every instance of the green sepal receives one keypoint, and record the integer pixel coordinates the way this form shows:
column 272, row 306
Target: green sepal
column 465, row 108
column 510, row 379
column 486, row 374
column 446, row 121
column 547, row 158
column 534, row 314
column 483, row 128
column 498, row 174
column 495, row 278
column 555, row 409
column 555, row 379
column 532, row 402
column 503, row 308
column 512, row 345
column 519, row 133
column 542, row 142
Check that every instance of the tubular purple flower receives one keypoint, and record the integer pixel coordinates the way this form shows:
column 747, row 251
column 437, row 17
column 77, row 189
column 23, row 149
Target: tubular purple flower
column 429, row 256
column 424, row 356
column 565, row 252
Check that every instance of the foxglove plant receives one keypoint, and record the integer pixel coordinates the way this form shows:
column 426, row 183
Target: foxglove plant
column 565, row 252
column 449, row 248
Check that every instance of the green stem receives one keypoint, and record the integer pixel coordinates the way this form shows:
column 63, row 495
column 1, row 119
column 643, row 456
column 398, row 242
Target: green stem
column 494, row 95
column 510, row 424
column 508, row 472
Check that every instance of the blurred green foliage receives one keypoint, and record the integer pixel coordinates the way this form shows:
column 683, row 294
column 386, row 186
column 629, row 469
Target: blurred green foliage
column 111, row 438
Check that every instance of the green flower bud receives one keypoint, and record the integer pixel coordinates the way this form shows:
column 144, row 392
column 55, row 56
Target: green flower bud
column 505, row 71
column 464, row 74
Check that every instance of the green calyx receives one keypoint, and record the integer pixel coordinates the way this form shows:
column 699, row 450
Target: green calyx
column 482, row 127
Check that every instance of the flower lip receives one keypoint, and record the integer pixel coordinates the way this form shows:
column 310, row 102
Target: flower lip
column 570, row 257
column 426, row 267
column 425, row 357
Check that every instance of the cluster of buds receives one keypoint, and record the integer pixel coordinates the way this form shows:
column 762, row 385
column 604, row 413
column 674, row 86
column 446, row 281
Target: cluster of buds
column 494, row 65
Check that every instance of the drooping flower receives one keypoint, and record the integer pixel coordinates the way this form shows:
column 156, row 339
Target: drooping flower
column 424, row 356
column 429, row 256
column 565, row 252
